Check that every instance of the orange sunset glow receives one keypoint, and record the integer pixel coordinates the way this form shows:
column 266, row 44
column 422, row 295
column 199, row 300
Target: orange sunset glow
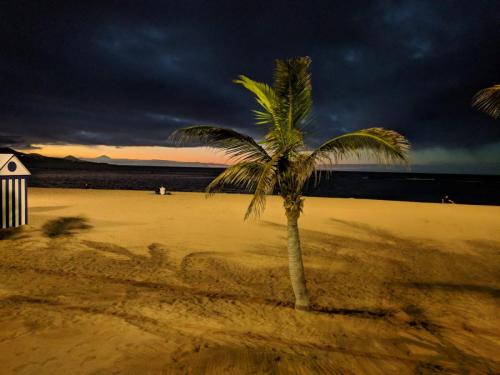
column 178, row 154
column 183, row 154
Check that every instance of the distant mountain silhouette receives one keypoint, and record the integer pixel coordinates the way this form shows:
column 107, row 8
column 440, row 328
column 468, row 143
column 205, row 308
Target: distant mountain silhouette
column 72, row 158
column 152, row 162
column 34, row 161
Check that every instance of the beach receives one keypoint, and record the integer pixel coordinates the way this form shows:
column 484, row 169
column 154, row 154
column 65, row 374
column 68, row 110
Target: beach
column 129, row 282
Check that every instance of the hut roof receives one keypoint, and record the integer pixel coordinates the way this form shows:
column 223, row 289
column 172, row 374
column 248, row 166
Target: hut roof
column 10, row 165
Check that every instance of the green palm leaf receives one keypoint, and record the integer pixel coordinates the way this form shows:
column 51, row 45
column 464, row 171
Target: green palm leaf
column 237, row 146
column 383, row 144
column 244, row 175
column 264, row 94
column 292, row 84
column 266, row 183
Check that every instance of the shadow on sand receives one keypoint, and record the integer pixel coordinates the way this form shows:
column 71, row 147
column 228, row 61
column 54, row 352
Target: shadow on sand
column 11, row 233
column 64, row 226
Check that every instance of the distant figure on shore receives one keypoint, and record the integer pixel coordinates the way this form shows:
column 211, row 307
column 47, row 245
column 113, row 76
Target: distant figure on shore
column 162, row 190
column 446, row 199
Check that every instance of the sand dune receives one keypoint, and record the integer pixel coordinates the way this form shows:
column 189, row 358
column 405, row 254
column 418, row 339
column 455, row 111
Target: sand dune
column 121, row 282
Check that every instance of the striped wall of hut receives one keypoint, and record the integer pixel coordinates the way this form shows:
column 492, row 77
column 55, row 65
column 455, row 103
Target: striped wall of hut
column 13, row 192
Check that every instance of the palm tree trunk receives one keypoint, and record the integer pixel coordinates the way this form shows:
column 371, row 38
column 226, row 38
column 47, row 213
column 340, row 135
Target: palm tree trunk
column 295, row 265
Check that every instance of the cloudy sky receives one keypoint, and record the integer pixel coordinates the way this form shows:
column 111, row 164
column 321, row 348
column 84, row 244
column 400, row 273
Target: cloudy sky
column 117, row 77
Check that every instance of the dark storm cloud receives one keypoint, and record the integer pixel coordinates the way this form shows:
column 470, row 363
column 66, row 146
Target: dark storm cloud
column 127, row 73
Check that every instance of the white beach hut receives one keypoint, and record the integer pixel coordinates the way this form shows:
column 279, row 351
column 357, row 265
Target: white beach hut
column 13, row 192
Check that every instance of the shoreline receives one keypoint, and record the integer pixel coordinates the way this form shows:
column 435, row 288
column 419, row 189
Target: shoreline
column 250, row 194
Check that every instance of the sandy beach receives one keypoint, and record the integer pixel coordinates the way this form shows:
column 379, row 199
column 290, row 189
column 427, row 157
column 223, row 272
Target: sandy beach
column 128, row 282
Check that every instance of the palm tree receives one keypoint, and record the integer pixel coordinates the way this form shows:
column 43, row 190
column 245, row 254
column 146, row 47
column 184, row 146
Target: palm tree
column 488, row 100
column 280, row 163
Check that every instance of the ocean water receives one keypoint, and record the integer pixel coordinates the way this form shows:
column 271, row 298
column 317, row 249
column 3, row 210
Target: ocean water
column 419, row 187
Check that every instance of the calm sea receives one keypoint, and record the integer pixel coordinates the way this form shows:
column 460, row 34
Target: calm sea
column 419, row 187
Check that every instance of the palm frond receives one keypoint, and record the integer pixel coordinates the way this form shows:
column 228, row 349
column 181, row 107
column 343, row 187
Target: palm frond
column 292, row 85
column 264, row 94
column 236, row 145
column 383, row 144
column 266, row 182
column 244, row 175
column 302, row 168
column 488, row 100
